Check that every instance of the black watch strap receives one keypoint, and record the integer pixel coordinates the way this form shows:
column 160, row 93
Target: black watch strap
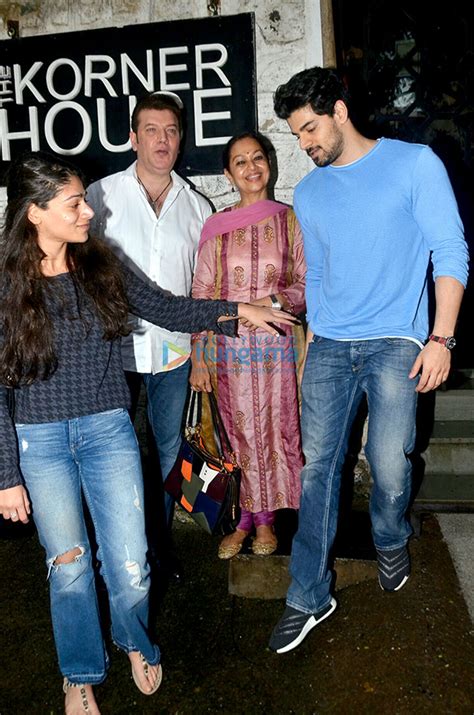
column 275, row 302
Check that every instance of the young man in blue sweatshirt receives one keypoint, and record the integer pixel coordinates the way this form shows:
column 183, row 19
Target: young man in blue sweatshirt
column 373, row 215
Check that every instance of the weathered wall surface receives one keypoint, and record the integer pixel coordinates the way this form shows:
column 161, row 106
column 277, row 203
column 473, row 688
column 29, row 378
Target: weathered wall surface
column 288, row 38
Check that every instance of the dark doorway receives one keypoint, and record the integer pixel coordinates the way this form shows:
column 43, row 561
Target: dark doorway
column 409, row 65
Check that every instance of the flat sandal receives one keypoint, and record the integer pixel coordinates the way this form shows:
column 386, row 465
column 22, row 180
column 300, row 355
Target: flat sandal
column 146, row 665
column 67, row 685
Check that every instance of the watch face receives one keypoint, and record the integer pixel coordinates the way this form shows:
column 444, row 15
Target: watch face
column 450, row 343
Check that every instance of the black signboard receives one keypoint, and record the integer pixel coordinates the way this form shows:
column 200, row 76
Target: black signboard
column 73, row 93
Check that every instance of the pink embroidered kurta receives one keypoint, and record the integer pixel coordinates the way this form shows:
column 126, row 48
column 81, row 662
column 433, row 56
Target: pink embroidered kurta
column 254, row 375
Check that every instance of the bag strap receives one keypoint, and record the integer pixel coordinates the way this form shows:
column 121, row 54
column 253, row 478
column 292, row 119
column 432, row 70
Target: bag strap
column 194, row 421
column 219, row 428
column 194, row 412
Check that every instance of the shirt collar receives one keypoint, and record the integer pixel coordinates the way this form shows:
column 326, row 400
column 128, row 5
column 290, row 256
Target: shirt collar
column 178, row 181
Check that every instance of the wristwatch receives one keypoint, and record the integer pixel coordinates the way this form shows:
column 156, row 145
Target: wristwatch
column 275, row 302
column 448, row 342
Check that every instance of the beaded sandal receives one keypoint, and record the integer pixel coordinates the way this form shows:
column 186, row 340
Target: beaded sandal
column 146, row 667
column 85, row 703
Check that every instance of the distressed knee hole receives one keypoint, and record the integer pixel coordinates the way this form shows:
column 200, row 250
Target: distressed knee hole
column 135, row 574
column 70, row 556
column 394, row 496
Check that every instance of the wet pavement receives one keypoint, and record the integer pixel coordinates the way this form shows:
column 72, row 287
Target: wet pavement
column 402, row 653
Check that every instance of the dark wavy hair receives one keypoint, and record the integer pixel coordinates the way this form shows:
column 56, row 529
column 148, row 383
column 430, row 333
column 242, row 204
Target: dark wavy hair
column 27, row 352
column 265, row 146
column 320, row 87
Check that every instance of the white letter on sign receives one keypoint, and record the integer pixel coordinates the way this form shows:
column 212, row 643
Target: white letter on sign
column 77, row 79
column 32, row 134
column 86, row 123
column 20, row 83
column 89, row 75
column 126, row 63
column 165, row 69
column 215, row 65
column 200, row 117
column 102, row 123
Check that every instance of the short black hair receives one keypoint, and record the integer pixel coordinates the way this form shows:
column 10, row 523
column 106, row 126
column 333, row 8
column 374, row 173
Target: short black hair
column 156, row 100
column 320, row 87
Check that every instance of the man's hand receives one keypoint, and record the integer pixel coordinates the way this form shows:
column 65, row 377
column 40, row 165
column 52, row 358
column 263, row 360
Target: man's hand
column 433, row 365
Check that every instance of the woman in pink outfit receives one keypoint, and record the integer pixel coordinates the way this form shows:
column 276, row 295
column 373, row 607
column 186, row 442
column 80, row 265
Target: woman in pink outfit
column 253, row 251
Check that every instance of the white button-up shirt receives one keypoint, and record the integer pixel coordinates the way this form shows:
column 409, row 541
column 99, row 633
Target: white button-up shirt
column 161, row 248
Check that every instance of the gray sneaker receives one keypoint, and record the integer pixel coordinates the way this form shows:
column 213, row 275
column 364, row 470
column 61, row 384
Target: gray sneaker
column 394, row 568
column 294, row 626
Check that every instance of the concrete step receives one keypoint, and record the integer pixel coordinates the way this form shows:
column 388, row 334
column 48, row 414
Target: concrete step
column 267, row 577
column 451, row 448
column 455, row 405
column 446, row 492
column 465, row 373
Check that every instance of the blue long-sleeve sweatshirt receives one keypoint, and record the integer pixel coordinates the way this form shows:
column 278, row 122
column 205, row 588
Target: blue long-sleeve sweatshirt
column 370, row 229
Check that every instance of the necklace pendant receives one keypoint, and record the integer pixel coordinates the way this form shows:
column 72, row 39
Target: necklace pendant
column 154, row 202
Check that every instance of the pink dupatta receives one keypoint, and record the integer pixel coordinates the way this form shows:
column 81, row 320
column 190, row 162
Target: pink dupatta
column 226, row 221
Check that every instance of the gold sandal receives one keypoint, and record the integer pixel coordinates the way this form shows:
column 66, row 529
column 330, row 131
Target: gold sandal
column 265, row 548
column 228, row 551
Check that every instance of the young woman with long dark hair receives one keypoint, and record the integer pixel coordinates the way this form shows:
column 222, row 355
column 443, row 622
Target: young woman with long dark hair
column 64, row 305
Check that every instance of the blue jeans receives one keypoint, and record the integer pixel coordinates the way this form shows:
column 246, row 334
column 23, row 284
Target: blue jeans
column 96, row 457
column 166, row 398
column 337, row 374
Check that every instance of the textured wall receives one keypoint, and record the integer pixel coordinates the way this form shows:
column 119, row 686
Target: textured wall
column 288, row 38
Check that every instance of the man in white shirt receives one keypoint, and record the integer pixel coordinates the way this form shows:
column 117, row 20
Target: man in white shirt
column 153, row 219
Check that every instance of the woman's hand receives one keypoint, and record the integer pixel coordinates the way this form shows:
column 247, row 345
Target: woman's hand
column 266, row 300
column 256, row 316
column 14, row 504
column 200, row 377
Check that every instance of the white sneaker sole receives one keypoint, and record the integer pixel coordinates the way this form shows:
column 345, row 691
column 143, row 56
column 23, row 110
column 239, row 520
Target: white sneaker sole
column 310, row 624
column 400, row 585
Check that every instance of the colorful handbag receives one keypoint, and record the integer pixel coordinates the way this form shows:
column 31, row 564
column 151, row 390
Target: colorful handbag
column 203, row 484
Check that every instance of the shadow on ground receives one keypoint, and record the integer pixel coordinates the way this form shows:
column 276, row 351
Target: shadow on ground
column 409, row 652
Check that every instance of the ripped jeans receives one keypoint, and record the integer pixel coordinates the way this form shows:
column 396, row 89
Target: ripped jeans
column 95, row 457
column 336, row 376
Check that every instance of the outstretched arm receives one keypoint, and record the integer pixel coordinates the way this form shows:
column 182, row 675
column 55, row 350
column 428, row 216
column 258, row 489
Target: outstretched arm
column 434, row 361
column 195, row 315
column 259, row 316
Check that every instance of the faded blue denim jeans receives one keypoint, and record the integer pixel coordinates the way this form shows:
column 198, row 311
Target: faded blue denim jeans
column 336, row 376
column 96, row 456
column 166, row 397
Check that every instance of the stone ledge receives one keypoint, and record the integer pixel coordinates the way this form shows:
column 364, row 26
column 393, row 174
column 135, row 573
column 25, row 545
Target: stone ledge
column 267, row 577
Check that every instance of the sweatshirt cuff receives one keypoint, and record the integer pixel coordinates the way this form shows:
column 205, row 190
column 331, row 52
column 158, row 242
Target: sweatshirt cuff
column 10, row 478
